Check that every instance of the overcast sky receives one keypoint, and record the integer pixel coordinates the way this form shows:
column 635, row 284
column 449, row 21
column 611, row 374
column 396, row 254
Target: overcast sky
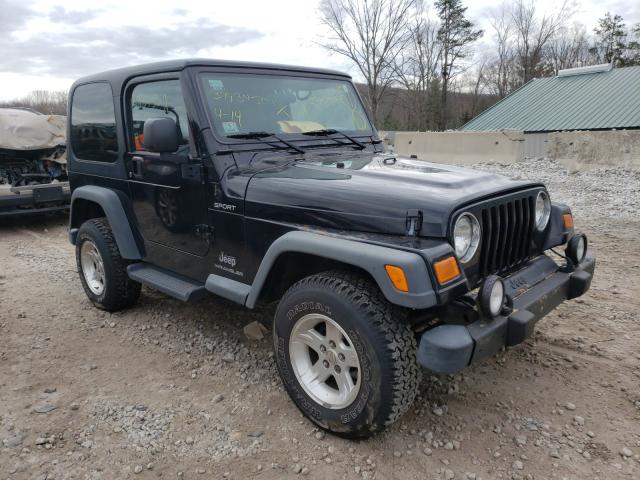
column 46, row 44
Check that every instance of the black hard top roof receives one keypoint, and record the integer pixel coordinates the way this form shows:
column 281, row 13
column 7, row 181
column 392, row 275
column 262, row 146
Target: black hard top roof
column 119, row 76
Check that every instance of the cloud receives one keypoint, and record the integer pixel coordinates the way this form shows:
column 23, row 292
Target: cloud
column 87, row 47
column 630, row 11
column 75, row 17
column 14, row 15
column 180, row 12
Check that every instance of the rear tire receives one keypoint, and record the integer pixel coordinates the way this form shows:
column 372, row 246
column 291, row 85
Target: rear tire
column 345, row 356
column 103, row 272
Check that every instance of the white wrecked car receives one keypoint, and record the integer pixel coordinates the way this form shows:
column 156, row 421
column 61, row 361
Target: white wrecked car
column 33, row 165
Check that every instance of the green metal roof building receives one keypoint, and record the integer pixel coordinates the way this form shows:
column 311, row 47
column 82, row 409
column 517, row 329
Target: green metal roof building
column 588, row 98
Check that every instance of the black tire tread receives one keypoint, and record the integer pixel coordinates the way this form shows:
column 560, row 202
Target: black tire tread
column 395, row 335
column 125, row 291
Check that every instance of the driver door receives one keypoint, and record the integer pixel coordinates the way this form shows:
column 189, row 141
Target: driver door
column 167, row 190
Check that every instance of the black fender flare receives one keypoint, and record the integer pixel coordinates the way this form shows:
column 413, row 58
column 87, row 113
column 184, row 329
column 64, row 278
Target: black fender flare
column 368, row 257
column 557, row 234
column 112, row 204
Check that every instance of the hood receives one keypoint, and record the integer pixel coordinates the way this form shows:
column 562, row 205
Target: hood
column 368, row 192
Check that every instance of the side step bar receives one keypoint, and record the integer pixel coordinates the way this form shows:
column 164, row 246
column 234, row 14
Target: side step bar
column 170, row 283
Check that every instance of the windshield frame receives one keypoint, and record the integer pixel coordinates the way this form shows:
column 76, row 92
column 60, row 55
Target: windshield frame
column 371, row 133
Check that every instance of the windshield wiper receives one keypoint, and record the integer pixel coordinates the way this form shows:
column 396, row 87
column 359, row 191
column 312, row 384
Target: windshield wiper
column 258, row 135
column 330, row 131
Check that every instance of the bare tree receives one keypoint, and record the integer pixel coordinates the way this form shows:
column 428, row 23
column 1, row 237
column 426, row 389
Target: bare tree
column 43, row 101
column 532, row 34
column 477, row 87
column 568, row 48
column 371, row 33
column 499, row 72
column 417, row 70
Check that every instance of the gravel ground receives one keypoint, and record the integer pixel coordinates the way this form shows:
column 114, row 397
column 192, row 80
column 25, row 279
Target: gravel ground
column 593, row 195
column 178, row 391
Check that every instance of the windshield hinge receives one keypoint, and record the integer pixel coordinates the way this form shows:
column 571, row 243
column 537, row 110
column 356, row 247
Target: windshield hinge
column 413, row 223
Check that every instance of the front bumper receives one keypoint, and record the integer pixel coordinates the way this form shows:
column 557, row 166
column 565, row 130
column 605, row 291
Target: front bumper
column 35, row 199
column 535, row 290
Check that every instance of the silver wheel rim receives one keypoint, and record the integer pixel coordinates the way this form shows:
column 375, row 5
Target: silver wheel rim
column 92, row 267
column 325, row 361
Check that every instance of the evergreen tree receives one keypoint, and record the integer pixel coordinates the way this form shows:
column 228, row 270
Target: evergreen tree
column 610, row 39
column 456, row 34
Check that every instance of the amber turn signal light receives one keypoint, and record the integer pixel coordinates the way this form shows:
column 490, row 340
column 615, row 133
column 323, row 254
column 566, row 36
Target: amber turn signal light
column 446, row 270
column 567, row 220
column 397, row 277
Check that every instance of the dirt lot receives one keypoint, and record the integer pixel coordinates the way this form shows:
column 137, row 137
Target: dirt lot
column 177, row 391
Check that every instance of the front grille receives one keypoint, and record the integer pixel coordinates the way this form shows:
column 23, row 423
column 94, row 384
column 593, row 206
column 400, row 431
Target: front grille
column 507, row 232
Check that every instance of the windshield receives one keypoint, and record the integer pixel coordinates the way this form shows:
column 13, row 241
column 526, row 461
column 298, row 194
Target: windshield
column 240, row 104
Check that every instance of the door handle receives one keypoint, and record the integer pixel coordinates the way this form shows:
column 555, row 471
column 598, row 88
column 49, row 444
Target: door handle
column 136, row 167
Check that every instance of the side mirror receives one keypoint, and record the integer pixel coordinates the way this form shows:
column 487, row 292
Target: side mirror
column 160, row 135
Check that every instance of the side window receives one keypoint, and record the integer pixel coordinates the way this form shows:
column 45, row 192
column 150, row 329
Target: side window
column 158, row 99
column 93, row 123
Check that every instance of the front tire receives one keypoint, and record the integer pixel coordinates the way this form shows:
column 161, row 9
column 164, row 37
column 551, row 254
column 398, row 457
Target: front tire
column 345, row 356
column 103, row 272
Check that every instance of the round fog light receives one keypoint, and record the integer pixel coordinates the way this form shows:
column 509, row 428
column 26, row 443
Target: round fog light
column 577, row 248
column 491, row 296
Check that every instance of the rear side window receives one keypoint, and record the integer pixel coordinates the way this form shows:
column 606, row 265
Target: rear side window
column 93, row 123
column 158, row 99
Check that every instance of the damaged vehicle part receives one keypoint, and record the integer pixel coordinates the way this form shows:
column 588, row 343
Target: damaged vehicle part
column 33, row 165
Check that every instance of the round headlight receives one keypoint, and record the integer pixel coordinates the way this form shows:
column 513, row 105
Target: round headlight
column 496, row 300
column 581, row 248
column 543, row 210
column 466, row 236
column 491, row 296
column 577, row 248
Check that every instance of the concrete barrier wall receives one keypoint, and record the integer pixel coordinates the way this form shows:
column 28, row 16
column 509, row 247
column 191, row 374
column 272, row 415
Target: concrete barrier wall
column 462, row 148
column 586, row 150
column 388, row 137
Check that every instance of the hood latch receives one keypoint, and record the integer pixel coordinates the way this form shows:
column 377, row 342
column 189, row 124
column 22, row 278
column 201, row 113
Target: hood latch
column 413, row 223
